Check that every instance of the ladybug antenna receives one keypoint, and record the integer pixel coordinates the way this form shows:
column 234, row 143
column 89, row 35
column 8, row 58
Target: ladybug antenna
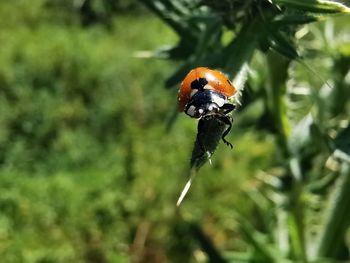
column 186, row 188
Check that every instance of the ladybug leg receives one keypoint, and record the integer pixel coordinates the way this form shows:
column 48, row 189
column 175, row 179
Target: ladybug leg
column 228, row 107
column 225, row 119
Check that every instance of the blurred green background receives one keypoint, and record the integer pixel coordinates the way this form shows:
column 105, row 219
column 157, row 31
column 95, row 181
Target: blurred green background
column 90, row 170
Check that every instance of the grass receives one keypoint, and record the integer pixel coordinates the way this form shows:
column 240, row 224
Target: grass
column 63, row 216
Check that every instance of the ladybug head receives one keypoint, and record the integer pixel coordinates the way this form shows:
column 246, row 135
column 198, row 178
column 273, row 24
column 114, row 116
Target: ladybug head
column 204, row 103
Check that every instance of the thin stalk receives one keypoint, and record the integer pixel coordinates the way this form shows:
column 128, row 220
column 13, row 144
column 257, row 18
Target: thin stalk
column 276, row 97
column 296, row 218
column 337, row 218
column 278, row 73
column 193, row 173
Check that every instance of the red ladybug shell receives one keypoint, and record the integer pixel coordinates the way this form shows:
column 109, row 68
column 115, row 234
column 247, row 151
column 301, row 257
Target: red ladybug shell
column 217, row 80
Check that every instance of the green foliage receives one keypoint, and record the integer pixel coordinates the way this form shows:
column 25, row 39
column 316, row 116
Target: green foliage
column 282, row 55
column 90, row 171
column 65, row 92
column 87, row 168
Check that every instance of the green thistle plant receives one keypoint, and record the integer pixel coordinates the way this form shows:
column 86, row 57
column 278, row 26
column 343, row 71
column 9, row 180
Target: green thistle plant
column 272, row 28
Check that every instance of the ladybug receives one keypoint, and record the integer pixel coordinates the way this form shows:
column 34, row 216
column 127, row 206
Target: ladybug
column 205, row 93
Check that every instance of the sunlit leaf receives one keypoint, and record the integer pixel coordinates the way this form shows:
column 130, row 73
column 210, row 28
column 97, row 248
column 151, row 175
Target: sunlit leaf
column 287, row 20
column 316, row 6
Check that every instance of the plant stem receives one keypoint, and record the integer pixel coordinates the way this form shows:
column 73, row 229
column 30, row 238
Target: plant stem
column 338, row 216
column 297, row 208
column 278, row 73
column 276, row 99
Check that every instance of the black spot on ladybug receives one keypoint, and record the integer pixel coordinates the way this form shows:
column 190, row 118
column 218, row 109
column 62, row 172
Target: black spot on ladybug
column 199, row 84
